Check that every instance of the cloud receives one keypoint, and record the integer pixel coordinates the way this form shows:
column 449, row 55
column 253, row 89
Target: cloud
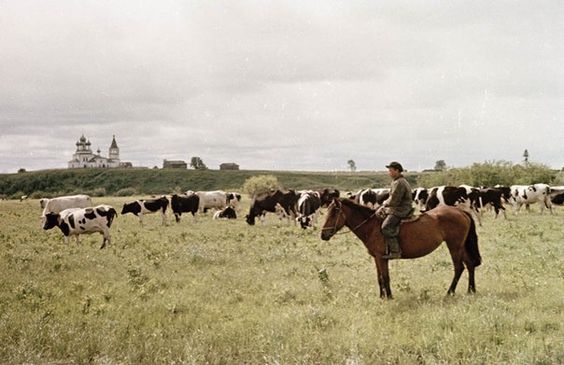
column 288, row 85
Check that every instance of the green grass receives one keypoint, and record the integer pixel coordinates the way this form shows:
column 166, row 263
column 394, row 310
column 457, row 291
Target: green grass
column 222, row 292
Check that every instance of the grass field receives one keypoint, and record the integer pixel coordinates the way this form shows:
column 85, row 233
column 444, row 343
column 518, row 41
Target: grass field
column 222, row 292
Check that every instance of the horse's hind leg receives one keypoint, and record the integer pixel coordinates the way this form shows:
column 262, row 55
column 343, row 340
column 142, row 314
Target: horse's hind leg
column 471, row 282
column 458, row 269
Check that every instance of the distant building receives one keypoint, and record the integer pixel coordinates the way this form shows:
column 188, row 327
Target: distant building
column 85, row 158
column 229, row 166
column 174, row 164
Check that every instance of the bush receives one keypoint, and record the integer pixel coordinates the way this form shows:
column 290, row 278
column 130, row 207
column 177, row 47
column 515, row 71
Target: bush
column 126, row 192
column 261, row 184
column 489, row 174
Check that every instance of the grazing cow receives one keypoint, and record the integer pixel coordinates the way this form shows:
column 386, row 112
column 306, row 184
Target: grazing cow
column 226, row 213
column 233, row 199
column 23, row 197
column 146, row 206
column 557, row 195
column 184, row 204
column 372, row 198
column 531, row 194
column 490, row 197
column 211, row 200
column 58, row 204
column 271, row 203
column 77, row 221
column 308, row 205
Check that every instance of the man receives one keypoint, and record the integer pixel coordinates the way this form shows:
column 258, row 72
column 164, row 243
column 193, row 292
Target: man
column 396, row 207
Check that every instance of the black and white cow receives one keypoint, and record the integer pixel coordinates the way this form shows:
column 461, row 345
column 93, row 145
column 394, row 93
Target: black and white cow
column 184, row 204
column 420, row 196
column 309, row 203
column 77, row 221
column 226, row 213
column 271, row 203
column 446, row 195
column 531, row 194
column 147, row 206
column 372, row 198
column 490, row 197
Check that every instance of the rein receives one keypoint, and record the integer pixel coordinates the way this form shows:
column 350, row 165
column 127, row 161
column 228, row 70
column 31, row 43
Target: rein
column 350, row 229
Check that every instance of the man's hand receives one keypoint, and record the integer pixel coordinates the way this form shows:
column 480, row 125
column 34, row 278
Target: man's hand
column 382, row 212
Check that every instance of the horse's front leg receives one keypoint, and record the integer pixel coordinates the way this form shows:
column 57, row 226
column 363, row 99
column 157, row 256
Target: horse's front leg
column 383, row 277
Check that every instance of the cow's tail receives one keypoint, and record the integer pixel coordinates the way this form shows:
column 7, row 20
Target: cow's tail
column 471, row 243
column 111, row 215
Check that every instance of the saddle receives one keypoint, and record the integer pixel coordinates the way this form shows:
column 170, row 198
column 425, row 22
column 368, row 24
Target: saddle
column 411, row 217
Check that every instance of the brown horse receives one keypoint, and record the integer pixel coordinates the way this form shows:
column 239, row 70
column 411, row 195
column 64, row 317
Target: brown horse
column 417, row 238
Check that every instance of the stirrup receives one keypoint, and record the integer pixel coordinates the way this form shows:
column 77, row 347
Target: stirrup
column 392, row 255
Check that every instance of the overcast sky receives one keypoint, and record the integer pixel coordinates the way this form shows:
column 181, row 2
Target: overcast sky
column 294, row 85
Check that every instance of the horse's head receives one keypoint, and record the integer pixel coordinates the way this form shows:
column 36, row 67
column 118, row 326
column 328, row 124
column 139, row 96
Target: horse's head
column 335, row 220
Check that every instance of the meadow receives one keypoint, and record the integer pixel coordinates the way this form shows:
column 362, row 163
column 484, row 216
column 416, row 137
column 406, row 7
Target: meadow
column 223, row 292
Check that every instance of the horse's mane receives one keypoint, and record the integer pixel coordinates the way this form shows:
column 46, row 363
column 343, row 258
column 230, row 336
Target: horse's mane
column 363, row 210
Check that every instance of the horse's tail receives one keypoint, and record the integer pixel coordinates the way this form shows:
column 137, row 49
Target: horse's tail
column 471, row 243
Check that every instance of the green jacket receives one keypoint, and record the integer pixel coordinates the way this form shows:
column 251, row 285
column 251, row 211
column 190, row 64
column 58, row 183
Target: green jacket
column 399, row 202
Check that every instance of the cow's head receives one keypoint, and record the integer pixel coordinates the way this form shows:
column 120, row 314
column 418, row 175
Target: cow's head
column 250, row 218
column 51, row 220
column 131, row 208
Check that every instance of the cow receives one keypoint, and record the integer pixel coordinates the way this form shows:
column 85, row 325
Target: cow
column 23, row 197
column 505, row 193
column 490, row 197
column 309, row 203
column 420, row 196
column 446, row 195
column 77, row 221
column 226, row 213
column 531, row 194
column 58, row 204
column 272, row 202
column 184, row 204
column 211, row 200
column 146, row 206
column 43, row 202
column 372, row 198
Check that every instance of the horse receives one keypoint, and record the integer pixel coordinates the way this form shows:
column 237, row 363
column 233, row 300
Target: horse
column 418, row 237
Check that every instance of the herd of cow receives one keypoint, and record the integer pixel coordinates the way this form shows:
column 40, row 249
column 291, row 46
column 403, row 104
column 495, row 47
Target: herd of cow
column 75, row 215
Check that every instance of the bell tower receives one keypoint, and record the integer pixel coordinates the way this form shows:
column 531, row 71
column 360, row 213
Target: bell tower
column 114, row 150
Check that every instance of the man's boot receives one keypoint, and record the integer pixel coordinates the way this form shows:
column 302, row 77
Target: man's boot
column 394, row 251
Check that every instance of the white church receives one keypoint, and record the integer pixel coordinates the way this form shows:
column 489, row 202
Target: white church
column 85, row 158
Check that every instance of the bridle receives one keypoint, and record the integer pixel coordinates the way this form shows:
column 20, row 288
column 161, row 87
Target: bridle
column 334, row 228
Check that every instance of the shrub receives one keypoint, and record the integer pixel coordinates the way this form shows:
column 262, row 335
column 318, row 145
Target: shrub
column 126, row 192
column 261, row 184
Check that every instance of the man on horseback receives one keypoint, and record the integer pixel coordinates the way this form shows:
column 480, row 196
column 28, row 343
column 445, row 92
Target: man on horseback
column 396, row 207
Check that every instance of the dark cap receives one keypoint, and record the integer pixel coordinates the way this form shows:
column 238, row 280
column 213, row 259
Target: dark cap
column 395, row 165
